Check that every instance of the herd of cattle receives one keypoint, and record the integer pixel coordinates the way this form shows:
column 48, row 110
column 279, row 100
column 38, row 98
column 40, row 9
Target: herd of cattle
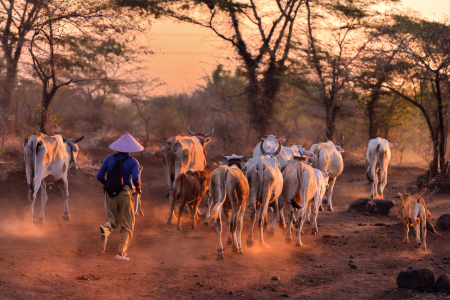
column 276, row 177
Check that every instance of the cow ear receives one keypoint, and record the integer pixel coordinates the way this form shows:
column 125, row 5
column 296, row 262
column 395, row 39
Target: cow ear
column 393, row 144
column 282, row 141
column 308, row 154
column 78, row 139
column 225, row 157
column 206, row 141
column 329, row 174
column 215, row 165
column 400, row 194
column 339, row 148
column 304, row 145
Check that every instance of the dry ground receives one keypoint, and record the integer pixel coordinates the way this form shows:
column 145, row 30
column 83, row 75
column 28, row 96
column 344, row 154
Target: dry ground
column 45, row 262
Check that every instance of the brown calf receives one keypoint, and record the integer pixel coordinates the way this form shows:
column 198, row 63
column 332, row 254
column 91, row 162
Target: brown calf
column 190, row 188
column 415, row 213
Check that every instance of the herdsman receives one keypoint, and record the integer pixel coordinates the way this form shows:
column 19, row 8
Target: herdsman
column 120, row 175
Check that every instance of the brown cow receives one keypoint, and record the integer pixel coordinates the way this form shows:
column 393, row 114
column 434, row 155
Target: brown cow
column 190, row 187
column 415, row 213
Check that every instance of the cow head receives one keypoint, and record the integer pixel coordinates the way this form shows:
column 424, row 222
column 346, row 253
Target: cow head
column 73, row 144
column 203, row 138
column 338, row 145
column 326, row 177
column 303, row 152
column 271, row 154
column 273, row 138
column 235, row 160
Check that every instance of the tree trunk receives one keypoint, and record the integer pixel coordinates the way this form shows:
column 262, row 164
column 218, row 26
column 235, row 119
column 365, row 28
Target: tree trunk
column 8, row 87
column 441, row 126
column 330, row 117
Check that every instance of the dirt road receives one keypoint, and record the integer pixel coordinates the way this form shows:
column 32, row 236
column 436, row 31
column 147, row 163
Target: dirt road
column 51, row 261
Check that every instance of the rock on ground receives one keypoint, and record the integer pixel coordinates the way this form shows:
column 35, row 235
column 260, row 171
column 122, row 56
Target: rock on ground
column 381, row 206
column 442, row 285
column 443, row 222
column 416, row 279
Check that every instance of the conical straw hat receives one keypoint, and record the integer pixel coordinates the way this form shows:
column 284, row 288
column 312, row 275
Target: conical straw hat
column 126, row 143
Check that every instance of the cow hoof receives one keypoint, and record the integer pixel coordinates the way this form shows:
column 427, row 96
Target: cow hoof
column 296, row 225
column 329, row 208
column 240, row 251
column 206, row 223
column 283, row 226
column 229, row 242
column 66, row 217
column 263, row 245
column 314, row 231
column 219, row 256
column 235, row 250
column 299, row 244
column 288, row 240
column 419, row 244
column 405, row 241
column 193, row 227
column 250, row 242
column 179, row 228
column 308, row 222
column 270, row 233
column 169, row 222
column 40, row 221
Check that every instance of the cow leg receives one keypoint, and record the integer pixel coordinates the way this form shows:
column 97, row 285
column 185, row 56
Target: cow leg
column 314, row 229
column 262, row 216
column 171, row 204
column 374, row 192
column 44, row 198
column 288, row 237
column 194, row 213
column 301, row 220
column 64, row 187
column 406, row 225
column 180, row 211
column 424, row 233
column 282, row 223
column 250, row 240
column 383, row 179
column 31, row 199
column 233, row 227
column 416, row 225
column 330, row 192
column 276, row 213
column 228, row 221
column 219, row 240
column 239, row 226
column 208, row 211
column 307, row 213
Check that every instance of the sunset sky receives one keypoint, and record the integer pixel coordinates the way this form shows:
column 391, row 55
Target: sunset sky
column 185, row 53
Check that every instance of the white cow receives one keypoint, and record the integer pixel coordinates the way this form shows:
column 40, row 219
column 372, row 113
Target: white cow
column 378, row 155
column 181, row 154
column 299, row 189
column 270, row 144
column 322, row 185
column 266, row 183
column 228, row 192
column 328, row 158
column 47, row 159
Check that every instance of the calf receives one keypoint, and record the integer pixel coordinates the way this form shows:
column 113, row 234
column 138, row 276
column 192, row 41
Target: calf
column 190, row 187
column 415, row 213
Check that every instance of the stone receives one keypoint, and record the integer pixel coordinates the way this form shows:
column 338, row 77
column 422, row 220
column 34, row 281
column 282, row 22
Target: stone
column 442, row 284
column 367, row 205
column 443, row 222
column 416, row 279
column 353, row 266
column 275, row 278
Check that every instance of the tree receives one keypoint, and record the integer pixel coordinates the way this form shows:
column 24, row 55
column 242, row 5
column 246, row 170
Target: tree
column 16, row 21
column 59, row 21
column 261, row 34
column 422, row 49
column 336, row 35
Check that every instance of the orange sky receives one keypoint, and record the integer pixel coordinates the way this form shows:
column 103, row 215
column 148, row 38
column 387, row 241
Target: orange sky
column 185, row 53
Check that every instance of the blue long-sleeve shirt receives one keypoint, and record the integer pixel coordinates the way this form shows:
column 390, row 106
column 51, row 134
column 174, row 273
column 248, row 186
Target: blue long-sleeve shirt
column 129, row 166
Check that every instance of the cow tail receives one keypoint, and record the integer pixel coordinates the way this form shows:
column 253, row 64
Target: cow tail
column 368, row 174
column 216, row 209
column 33, row 183
column 299, row 179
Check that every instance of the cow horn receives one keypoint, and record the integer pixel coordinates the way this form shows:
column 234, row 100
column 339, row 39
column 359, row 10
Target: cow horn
column 326, row 139
column 279, row 149
column 304, row 145
column 209, row 134
column 342, row 140
column 190, row 132
column 261, row 147
column 78, row 139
